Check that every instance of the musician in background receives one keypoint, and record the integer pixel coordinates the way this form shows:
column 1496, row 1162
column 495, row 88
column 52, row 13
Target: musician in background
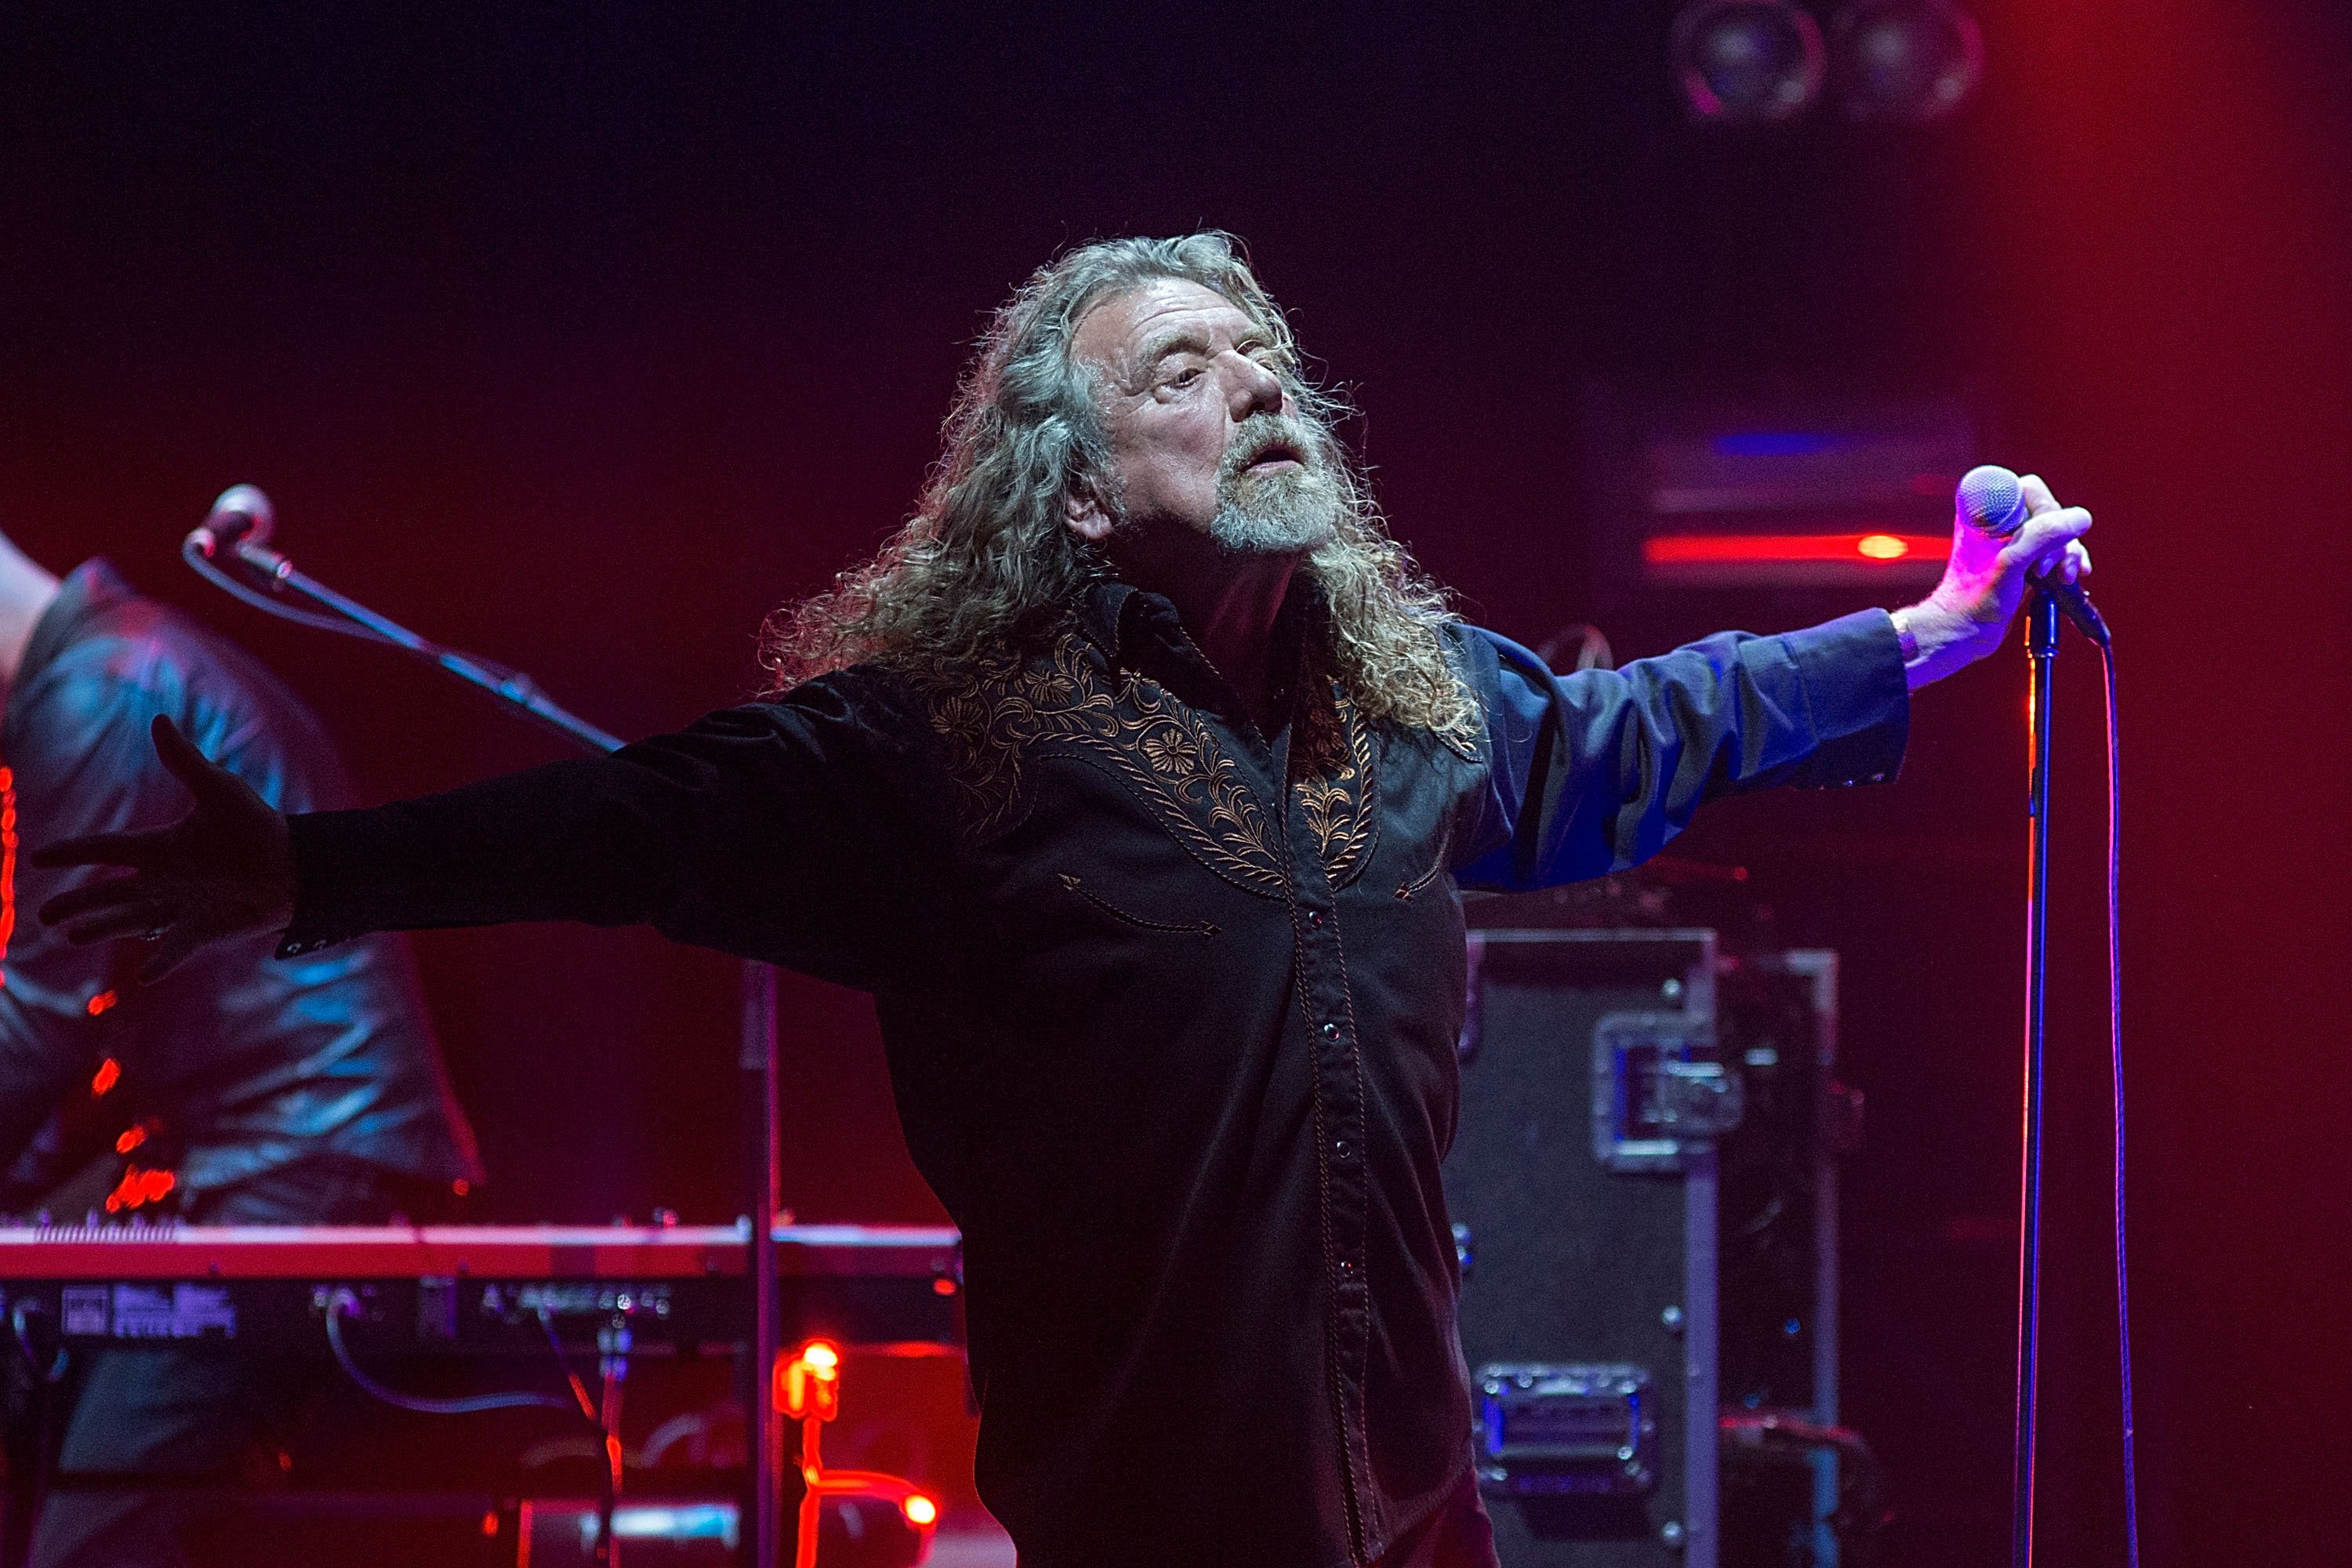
column 253, row 1092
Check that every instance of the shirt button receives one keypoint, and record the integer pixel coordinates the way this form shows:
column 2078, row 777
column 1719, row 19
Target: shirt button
column 1315, row 918
column 1330, row 1031
column 1339, row 1147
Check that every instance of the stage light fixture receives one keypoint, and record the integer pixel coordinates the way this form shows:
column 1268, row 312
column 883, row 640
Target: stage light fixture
column 1748, row 62
column 1906, row 62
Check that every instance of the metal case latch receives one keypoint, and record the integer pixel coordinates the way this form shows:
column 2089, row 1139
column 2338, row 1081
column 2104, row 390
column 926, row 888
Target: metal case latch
column 1658, row 1093
column 1565, row 1429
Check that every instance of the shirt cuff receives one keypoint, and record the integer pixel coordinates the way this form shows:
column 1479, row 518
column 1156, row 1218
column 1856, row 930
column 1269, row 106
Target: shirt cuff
column 317, row 923
column 1858, row 697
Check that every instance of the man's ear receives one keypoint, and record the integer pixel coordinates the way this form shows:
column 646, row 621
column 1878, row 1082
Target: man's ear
column 1083, row 512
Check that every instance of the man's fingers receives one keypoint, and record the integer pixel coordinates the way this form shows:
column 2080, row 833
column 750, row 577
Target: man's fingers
column 126, row 920
column 78, row 903
column 2038, row 499
column 2044, row 538
column 180, row 757
column 2069, row 565
column 99, row 849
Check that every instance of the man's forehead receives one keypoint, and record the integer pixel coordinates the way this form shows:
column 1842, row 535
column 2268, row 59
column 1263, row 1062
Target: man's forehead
column 1136, row 323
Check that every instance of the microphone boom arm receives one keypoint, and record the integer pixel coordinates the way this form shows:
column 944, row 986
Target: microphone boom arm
column 282, row 579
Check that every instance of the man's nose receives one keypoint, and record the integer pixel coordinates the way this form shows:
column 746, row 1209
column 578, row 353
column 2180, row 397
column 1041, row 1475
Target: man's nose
column 1251, row 387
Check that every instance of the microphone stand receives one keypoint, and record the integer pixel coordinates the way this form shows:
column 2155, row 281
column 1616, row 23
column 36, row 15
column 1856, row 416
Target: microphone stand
column 763, row 1432
column 2041, row 645
column 763, row 1424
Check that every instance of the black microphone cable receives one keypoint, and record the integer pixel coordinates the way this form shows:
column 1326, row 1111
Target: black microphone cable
column 2116, row 1070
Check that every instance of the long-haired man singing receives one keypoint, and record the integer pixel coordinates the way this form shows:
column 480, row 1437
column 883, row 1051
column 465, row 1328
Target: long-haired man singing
column 1135, row 778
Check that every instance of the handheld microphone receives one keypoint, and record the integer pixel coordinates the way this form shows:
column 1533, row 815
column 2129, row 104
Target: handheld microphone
column 1991, row 502
column 241, row 519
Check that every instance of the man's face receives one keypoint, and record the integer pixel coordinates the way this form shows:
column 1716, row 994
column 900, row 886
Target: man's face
column 1204, row 438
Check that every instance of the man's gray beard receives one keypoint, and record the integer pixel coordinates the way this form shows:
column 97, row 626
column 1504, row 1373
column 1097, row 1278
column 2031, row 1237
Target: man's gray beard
column 1277, row 514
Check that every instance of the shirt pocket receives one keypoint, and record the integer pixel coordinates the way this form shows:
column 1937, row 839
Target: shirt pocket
column 1079, row 888
column 1413, row 886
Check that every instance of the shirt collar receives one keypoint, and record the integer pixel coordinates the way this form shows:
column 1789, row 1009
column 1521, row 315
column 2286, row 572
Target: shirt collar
column 1115, row 616
column 1137, row 629
column 1102, row 618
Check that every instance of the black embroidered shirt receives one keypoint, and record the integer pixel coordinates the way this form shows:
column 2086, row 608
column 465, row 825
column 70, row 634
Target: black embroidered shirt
column 1169, row 1007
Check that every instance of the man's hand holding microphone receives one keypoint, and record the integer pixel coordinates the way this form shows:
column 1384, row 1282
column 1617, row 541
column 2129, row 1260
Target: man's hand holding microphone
column 2008, row 533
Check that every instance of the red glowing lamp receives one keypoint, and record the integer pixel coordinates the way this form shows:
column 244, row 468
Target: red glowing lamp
column 808, row 1384
column 1771, row 549
column 1824, row 558
column 808, row 1390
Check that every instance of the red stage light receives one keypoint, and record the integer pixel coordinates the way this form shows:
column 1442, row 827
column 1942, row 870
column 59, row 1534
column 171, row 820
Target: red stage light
column 919, row 1509
column 8, row 863
column 109, row 1074
column 139, row 1187
column 1672, row 550
column 808, row 1384
column 101, row 1002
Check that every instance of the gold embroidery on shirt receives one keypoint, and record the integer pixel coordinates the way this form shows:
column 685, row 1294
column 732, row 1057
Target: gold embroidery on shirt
column 1342, row 806
column 992, row 715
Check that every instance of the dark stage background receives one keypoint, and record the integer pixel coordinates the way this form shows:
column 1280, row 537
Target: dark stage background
column 583, row 336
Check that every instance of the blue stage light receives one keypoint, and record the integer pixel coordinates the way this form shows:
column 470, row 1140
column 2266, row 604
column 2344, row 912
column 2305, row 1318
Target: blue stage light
column 1748, row 62
column 1905, row 61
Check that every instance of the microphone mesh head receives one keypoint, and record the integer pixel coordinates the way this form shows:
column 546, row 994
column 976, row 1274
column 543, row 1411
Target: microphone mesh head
column 1991, row 502
column 247, row 502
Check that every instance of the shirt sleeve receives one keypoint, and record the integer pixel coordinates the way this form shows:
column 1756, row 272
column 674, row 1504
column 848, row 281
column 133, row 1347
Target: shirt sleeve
column 1594, row 772
column 785, row 832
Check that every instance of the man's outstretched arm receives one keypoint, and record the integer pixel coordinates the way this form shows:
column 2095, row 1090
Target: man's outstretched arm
column 224, row 869
column 1594, row 772
column 773, row 831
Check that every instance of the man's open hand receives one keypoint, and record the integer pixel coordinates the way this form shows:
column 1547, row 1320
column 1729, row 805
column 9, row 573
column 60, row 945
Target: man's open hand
column 224, row 869
column 1968, row 615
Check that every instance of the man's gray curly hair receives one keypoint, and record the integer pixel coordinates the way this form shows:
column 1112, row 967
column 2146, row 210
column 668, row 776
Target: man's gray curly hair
column 988, row 564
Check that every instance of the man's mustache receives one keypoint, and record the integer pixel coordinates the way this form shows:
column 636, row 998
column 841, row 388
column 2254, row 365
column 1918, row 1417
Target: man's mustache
column 1262, row 436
